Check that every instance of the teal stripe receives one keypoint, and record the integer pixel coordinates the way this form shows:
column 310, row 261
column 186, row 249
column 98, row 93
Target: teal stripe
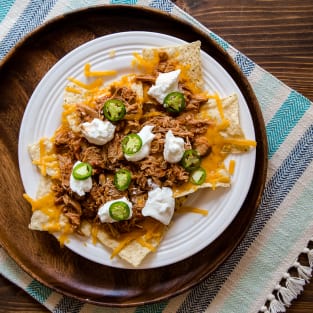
column 5, row 7
column 38, row 291
column 152, row 308
column 285, row 119
column 220, row 41
column 298, row 219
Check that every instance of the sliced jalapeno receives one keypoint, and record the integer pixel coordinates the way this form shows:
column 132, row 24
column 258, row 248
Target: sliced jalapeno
column 197, row 177
column 174, row 102
column 114, row 109
column 119, row 211
column 82, row 171
column 122, row 179
column 131, row 144
column 191, row 160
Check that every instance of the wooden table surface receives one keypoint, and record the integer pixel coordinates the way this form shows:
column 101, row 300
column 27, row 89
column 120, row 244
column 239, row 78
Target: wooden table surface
column 277, row 35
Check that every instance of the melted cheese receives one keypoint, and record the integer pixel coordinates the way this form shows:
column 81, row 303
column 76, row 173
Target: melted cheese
column 184, row 76
column 47, row 160
column 218, row 100
column 63, row 238
column 146, row 244
column 55, row 223
column 94, row 234
column 187, row 209
column 147, row 65
column 152, row 231
column 239, row 142
column 214, row 162
column 125, row 240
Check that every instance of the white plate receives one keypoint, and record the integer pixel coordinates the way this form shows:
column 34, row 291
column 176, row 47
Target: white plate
column 189, row 232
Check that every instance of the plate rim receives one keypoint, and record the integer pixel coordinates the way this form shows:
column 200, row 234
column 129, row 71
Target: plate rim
column 249, row 90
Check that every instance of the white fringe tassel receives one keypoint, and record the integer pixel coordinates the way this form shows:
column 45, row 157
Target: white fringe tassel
column 310, row 255
column 285, row 295
column 303, row 271
column 293, row 286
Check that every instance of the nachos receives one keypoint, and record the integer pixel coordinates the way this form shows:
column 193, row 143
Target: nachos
column 127, row 154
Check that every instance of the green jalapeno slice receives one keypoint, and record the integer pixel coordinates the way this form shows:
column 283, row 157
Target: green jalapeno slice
column 82, row 171
column 174, row 102
column 191, row 160
column 119, row 211
column 198, row 176
column 114, row 109
column 131, row 144
column 122, row 179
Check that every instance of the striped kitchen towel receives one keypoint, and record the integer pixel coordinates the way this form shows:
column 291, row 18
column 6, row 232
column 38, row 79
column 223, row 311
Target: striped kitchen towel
column 257, row 276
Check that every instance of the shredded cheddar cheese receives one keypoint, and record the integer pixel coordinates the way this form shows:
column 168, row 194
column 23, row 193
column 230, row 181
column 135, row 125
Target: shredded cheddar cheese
column 218, row 100
column 146, row 244
column 73, row 90
column 126, row 239
column 89, row 73
column 239, row 142
column 95, row 84
column 189, row 209
column 231, row 168
column 53, row 213
column 146, row 65
column 47, row 160
column 94, row 233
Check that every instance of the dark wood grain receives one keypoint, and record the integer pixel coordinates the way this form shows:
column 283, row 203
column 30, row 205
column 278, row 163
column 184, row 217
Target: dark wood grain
column 278, row 35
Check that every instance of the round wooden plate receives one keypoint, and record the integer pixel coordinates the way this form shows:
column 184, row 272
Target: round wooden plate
column 39, row 253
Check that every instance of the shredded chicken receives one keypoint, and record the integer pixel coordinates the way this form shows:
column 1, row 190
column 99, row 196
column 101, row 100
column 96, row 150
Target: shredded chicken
column 202, row 146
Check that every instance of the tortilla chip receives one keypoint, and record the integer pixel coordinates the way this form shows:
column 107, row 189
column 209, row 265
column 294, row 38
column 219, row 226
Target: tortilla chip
column 44, row 186
column 187, row 55
column 133, row 253
column 230, row 106
column 71, row 97
column 188, row 188
column 38, row 220
column 41, row 221
column 34, row 152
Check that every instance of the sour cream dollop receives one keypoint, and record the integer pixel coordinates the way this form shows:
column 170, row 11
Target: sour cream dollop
column 160, row 205
column 164, row 84
column 104, row 213
column 173, row 148
column 80, row 186
column 146, row 136
column 97, row 131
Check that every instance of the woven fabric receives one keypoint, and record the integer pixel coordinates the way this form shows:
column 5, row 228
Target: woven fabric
column 257, row 272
